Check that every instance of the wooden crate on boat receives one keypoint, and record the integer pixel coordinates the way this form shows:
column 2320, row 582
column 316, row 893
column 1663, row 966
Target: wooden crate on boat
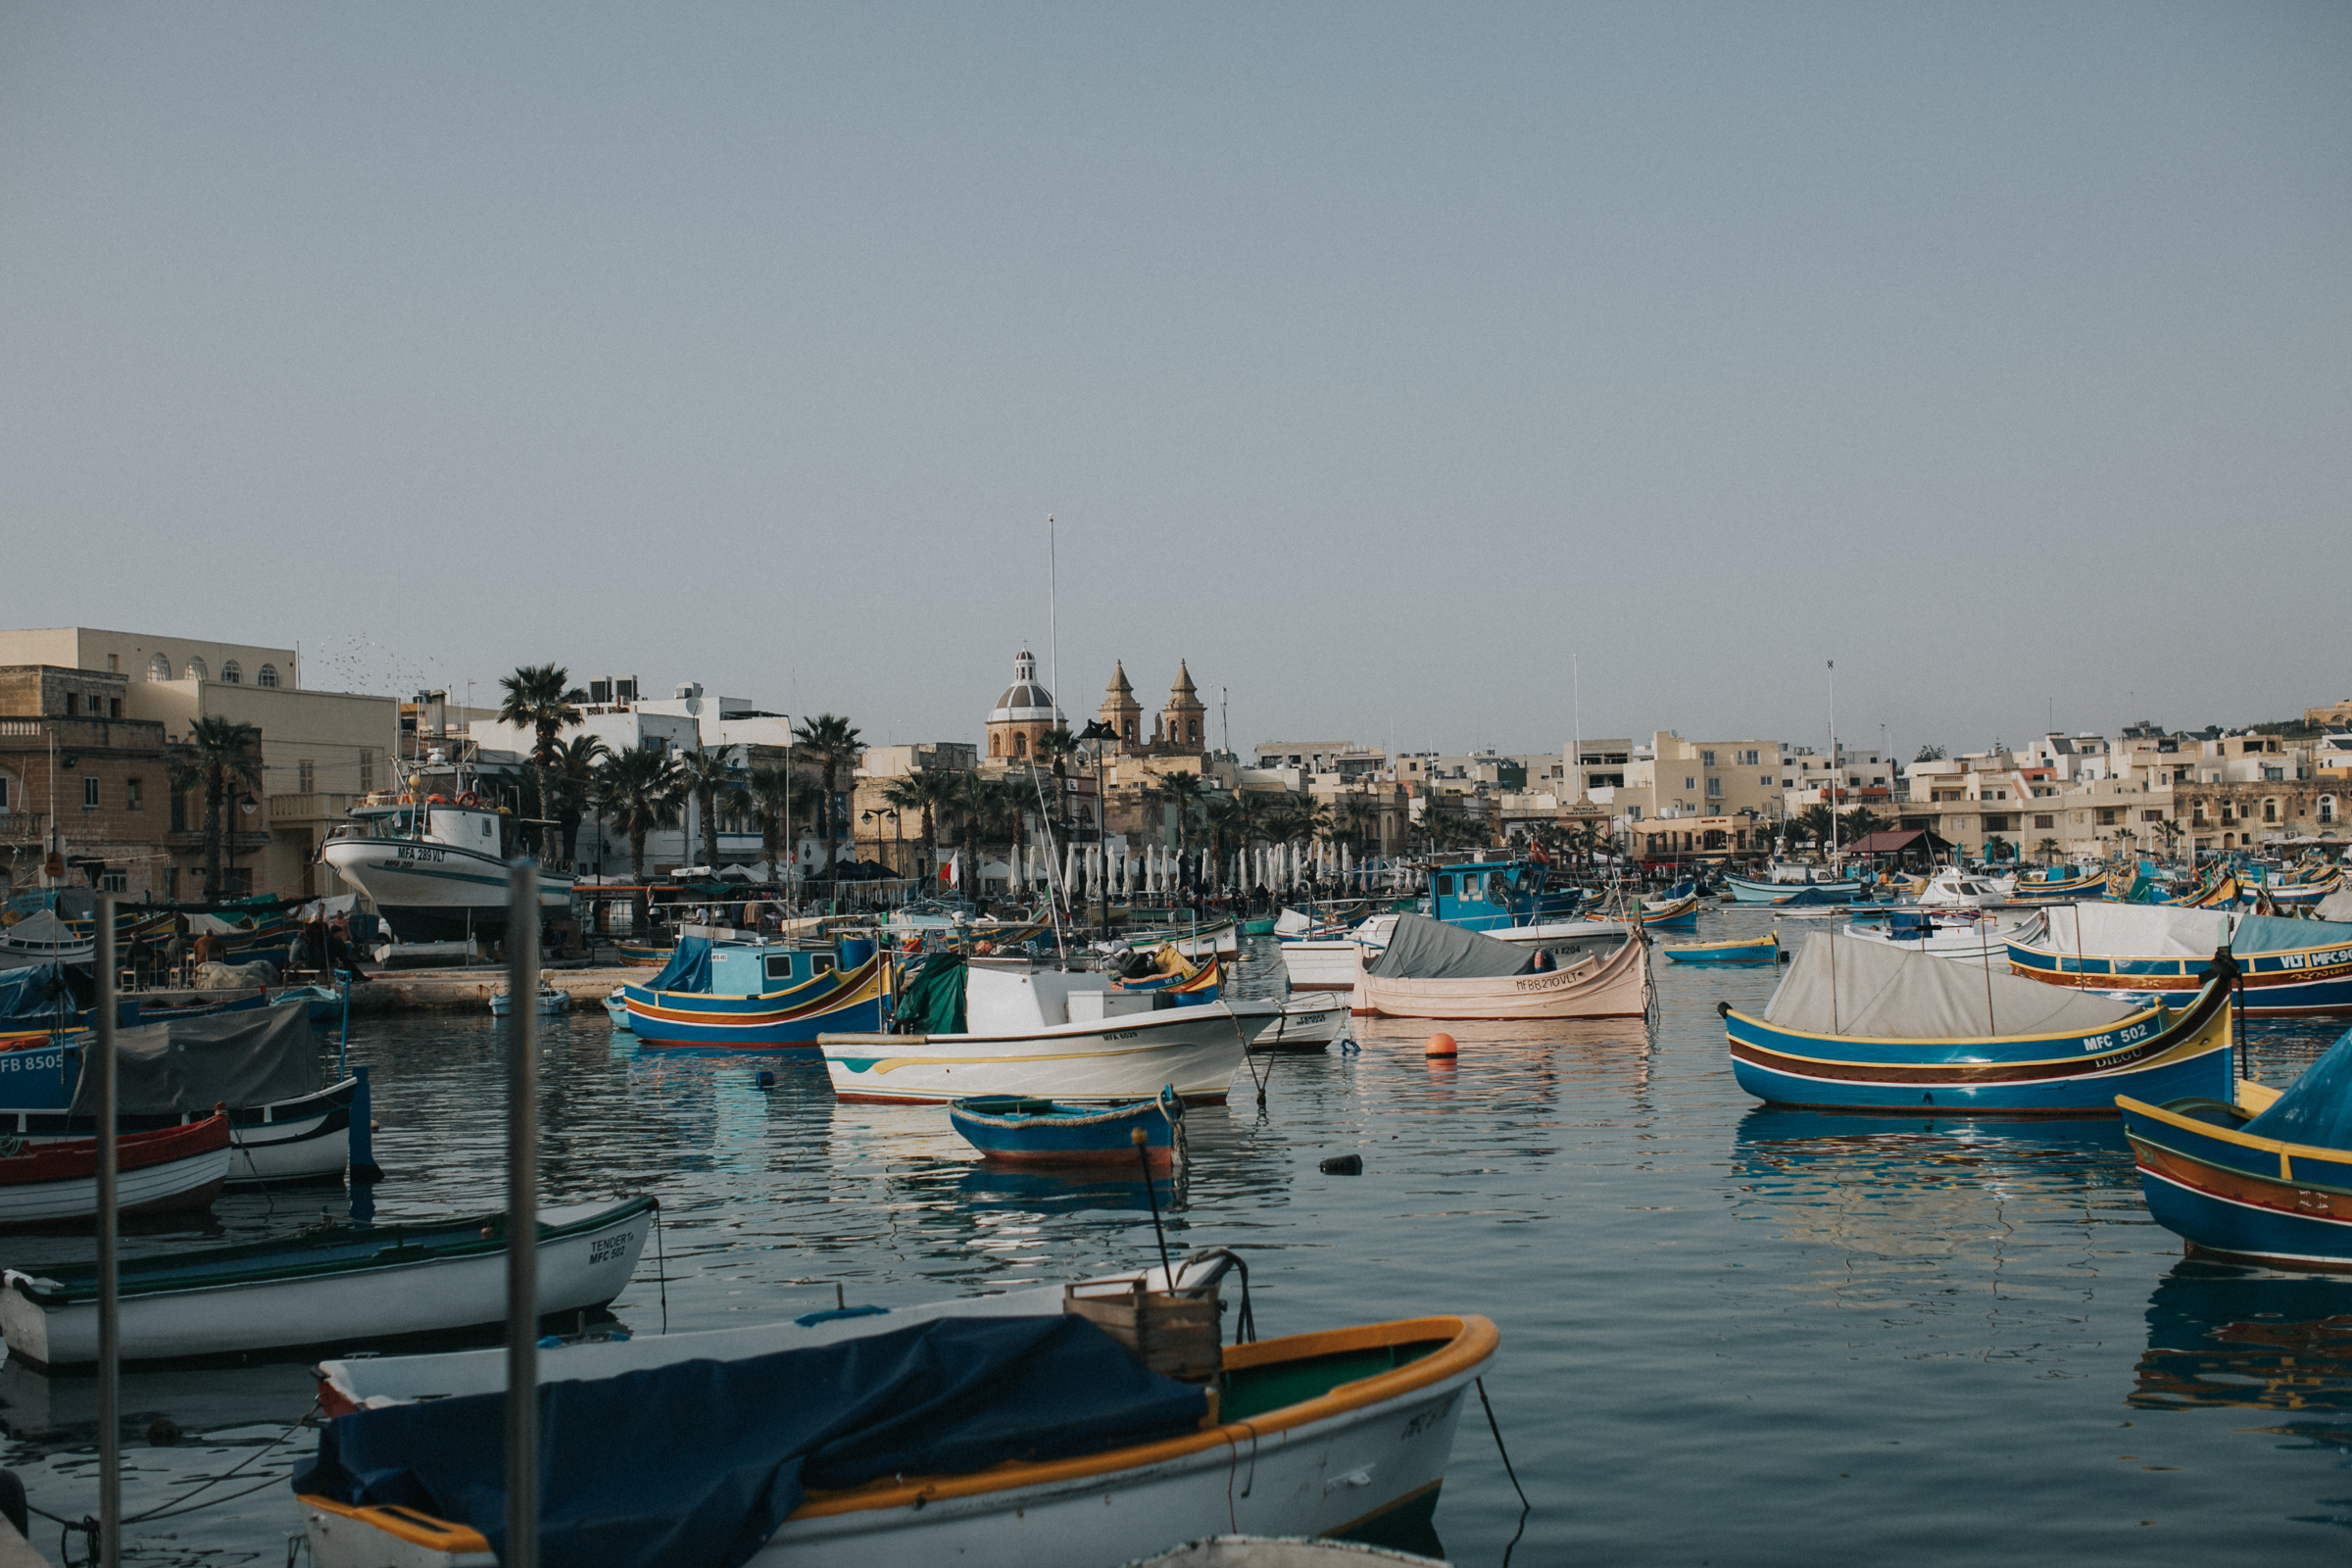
column 1175, row 1335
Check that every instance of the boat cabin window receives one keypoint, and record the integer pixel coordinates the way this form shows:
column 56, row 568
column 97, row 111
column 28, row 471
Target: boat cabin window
column 821, row 963
column 779, row 967
column 1444, row 887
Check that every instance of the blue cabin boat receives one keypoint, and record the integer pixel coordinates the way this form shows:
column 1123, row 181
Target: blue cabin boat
column 737, row 995
column 1018, row 1131
column 1496, row 895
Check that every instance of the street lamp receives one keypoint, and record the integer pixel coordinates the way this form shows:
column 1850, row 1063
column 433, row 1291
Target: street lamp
column 896, row 847
column 1101, row 735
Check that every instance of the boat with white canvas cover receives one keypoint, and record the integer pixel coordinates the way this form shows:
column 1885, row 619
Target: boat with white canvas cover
column 436, row 871
column 1433, row 970
column 1059, row 1033
column 336, row 1289
column 1069, row 1448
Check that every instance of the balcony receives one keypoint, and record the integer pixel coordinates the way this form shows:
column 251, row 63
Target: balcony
column 22, row 827
column 295, row 808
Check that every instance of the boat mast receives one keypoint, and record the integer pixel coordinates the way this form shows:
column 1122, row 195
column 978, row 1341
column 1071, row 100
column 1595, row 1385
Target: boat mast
column 1833, row 767
column 1052, row 605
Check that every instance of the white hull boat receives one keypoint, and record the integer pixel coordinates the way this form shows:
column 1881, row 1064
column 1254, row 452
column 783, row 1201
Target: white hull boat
column 1305, row 1023
column 1611, row 984
column 435, row 872
column 57, row 1184
column 339, row 1289
column 1195, row 1049
column 1321, row 965
column 550, row 1000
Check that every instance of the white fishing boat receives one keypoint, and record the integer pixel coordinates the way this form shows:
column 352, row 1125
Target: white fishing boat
column 42, row 938
column 339, row 1288
column 549, row 1001
column 1954, row 889
column 1305, row 1023
column 1053, row 1034
column 1982, row 942
column 1308, row 1435
column 435, row 871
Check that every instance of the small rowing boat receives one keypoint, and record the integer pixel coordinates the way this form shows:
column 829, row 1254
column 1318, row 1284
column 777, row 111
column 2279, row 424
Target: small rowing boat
column 343, row 1289
column 548, row 1001
column 1745, row 949
column 57, row 1183
column 1306, row 1024
column 1016, row 1131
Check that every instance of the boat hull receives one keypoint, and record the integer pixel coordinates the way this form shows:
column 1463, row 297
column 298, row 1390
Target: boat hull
column 1321, row 965
column 302, row 1140
column 159, row 1172
column 2231, row 1196
column 434, row 892
column 386, row 1303
column 1761, row 950
column 1090, row 1137
column 1198, row 1049
column 1304, row 1026
column 1613, row 987
column 844, row 1001
column 2055, row 1074
column 1744, row 890
column 2303, row 982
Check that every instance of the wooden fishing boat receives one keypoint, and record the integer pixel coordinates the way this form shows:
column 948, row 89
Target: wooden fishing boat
column 2058, row 889
column 158, row 1172
column 2288, row 967
column 340, row 1289
column 1259, row 927
column 757, row 995
column 1682, row 912
column 2256, row 1175
column 644, row 954
column 1016, row 1131
column 1830, row 890
column 1745, row 950
column 617, row 1007
column 1187, row 981
column 1308, row 1435
column 1433, row 970
column 1860, row 1026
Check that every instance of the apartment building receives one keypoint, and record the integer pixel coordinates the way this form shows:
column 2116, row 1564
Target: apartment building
column 82, row 788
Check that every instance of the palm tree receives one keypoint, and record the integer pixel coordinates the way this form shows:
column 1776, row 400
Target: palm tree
column 1816, row 822
column 574, row 770
column 706, row 776
column 1057, row 747
column 1441, row 826
column 764, row 795
column 928, row 793
column 638, row 791
column 970, row 803
column 218, row 756
column 1997, row 848
column 1858, row 824
column 2048, row 848
column 831, row 742
column 1233, row 822
column 1188, row 796
column 538, row 699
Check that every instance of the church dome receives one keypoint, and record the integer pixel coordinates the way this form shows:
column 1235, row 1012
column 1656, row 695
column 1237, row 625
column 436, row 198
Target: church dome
column 1025, row 701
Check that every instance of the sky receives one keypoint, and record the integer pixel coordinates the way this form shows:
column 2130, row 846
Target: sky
column 1449, row 375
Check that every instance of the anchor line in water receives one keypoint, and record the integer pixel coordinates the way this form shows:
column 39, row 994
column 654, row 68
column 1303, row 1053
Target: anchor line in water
column 91, row 1528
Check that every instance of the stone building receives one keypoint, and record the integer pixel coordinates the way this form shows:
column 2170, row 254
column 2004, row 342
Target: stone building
column 84, row 792
column 1179, row 729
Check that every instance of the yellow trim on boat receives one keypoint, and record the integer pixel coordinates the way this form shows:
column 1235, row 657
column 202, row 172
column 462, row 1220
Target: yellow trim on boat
column 2254, row 1098
column 2233, row 1135
column 1470, row 1341
column 404, row 1524
column 1963, row 1040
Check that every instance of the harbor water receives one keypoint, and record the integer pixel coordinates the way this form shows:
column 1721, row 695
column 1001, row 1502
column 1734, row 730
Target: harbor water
column 1731, row 1335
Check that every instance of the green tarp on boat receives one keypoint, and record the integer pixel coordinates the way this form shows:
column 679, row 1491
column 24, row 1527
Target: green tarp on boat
column 932, row 1001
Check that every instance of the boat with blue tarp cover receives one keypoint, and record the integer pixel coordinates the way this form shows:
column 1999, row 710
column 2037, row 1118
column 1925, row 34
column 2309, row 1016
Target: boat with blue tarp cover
column 1022, row 1131
column 1858, row 1025
column 999, row 1432
column 743, row 992
column 2290, row 966
column 2254, row 1174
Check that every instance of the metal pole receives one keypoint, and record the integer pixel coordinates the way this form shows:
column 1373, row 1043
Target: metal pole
column 522, row 1216
column 110, row 1324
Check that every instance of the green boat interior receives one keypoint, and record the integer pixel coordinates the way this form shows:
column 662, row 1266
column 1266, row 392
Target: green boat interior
column 1253, row 1391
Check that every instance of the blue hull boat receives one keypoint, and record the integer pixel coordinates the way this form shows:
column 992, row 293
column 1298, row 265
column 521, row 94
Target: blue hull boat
column 1747, row 950
column 1019, row 1131
column 756, row 996
column 1855, row 1041
column 2252, row 1175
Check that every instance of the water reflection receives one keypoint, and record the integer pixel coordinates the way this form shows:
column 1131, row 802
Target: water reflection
column 2220, row 1334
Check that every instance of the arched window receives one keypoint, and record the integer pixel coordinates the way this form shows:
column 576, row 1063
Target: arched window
column 159, row 668
column 2269, row 810
column 2327, row 808
column 1020, row 746
column 267, row 676
column 230, row 674
column 196, row 669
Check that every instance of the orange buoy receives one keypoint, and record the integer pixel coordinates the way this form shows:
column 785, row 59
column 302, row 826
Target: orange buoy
column 1440, row 1046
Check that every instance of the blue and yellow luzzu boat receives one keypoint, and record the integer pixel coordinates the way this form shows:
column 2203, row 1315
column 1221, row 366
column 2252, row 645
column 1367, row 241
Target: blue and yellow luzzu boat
column 756, row 996
column 1679, row 912
column 2254, row 1175
column 1747, row 950
column 2290, row 966
column 1859, row 1025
